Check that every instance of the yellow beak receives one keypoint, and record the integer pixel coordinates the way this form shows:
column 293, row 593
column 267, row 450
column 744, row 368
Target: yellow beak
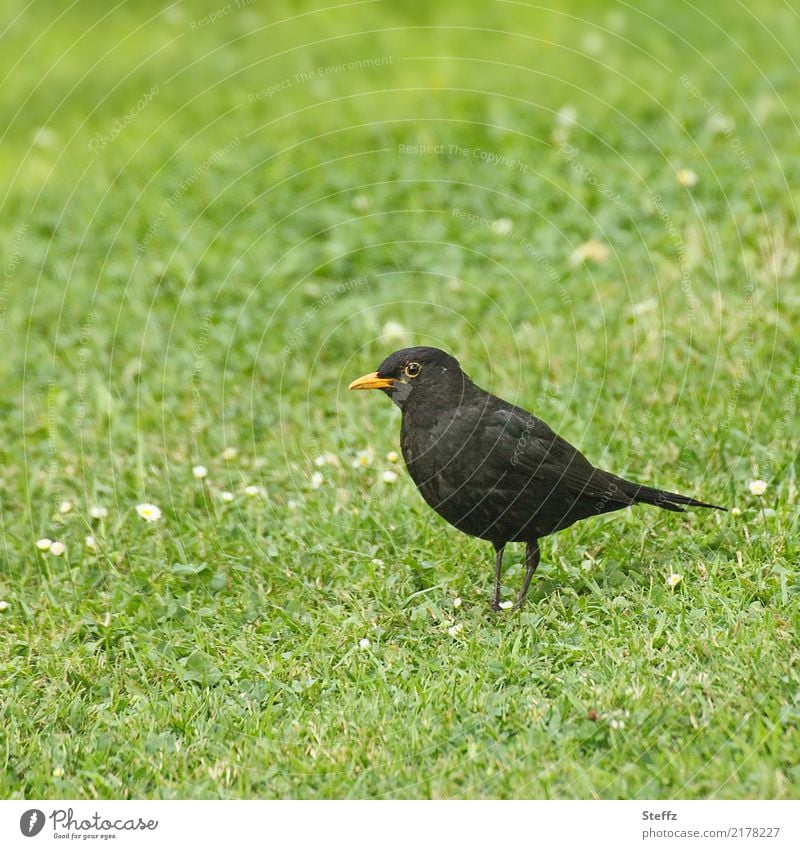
column 372, row 381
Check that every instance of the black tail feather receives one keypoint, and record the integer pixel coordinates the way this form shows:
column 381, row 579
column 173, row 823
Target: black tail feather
column 666, row 500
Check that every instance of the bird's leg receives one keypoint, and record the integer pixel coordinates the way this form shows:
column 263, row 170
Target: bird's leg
column 498, row 565
column 531, row 562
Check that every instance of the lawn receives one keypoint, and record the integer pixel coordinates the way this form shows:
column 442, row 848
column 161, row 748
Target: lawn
column 214, row 217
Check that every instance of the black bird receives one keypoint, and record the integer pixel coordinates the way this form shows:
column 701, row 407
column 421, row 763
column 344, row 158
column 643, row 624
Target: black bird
column 494, row 470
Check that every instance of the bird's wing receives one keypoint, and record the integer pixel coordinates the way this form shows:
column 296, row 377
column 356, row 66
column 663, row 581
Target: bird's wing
column 535, row 453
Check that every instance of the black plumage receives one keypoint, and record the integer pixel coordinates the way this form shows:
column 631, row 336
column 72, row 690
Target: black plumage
column 494, row 470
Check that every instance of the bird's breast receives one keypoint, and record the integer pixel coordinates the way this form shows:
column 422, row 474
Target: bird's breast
column 453, row 473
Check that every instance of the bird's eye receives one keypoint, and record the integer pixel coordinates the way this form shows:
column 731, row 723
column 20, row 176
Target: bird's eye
column 412, row 369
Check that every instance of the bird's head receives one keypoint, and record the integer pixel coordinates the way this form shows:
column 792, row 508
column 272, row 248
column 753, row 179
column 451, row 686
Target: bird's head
column 414, row 372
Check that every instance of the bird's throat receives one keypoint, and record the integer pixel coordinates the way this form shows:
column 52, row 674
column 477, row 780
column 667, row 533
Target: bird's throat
column 400, row 393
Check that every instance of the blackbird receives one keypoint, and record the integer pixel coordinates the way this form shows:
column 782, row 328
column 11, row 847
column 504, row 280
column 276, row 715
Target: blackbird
column 494, row 470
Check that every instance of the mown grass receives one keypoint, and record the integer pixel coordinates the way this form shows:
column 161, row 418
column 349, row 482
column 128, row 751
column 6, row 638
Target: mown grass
column 214, row 275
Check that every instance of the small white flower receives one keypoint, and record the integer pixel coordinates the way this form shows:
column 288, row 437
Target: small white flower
column 227, row 497
column 455, row 630
column 566, row 116
column 230, row 453
column 325, row 459
column 616, row 724
column 252, row 490
column 502, row 226
column 757, row 487
column 317, row 479
column 393, row 331
column 686, row 177
column 4, row 605
column 362, row 459
column 57, row 549
column 674, row 579
column 44, row 544
column 199, row 472
column 45, row 137
column 591, row 251
column 457, row 602
column 148, row 512
column 376, row 561
column 65, row 507
column 505, row 605
column 393, row 456
column 735, row 511
column 292, row 504
column 364, row 643
column 389, row 476
column 91, row 542
column 98, row 512
column 593, row 43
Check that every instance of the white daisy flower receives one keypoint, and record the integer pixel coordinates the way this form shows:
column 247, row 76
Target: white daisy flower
column 148, row 512
column 566, row 116
column 45, row 137
column 317, row 479
column 98, row 512
column 735, row 511
column 673, row 580
column 591, row 251
column 4, row 605
column 44, row 544
column 65, row 507
column 325, row 459
column 502, row 226
column 364, row 643
column 687, row 178
column 57, row 549
column 457, row 602
column 362, row 459
column 393, row 331
column 91, row 542
column 230, row 453
column 227, row 497
column 757, row 487
column 393, row 456
column 199, row 472
column 389, row 476
column 252, row 490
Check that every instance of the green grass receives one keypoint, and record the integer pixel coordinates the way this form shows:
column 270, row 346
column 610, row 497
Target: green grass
column 214, row 275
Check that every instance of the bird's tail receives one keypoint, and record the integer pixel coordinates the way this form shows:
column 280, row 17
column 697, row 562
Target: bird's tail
column 662, row 498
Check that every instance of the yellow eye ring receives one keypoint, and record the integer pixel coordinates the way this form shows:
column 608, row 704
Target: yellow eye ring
column 411, row 369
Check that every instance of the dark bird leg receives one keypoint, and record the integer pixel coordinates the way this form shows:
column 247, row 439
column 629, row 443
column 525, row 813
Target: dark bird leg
column 498, row 565
column 531, row 562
